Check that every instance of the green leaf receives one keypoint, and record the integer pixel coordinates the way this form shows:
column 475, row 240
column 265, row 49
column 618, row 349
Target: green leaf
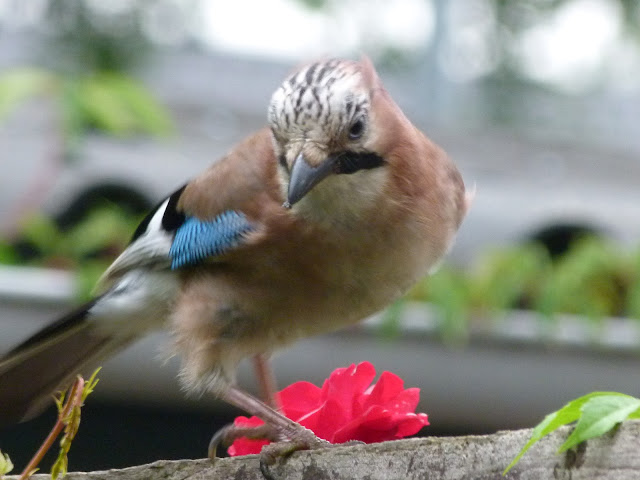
column 5, row 464
column 104, row 107
column 72, row 425
column 449, row 291
column 633, row 295
column 391, row 321
column 74, row 117
column 43, row 234
column 87, row 274
column 8, row 255
column 103, row 227
column 584, row 281
column 121, row 106
column 20, row 84
column 149, row 115
column 599, row 415
column 510, row 275
column 567, row 414
column 90, row 384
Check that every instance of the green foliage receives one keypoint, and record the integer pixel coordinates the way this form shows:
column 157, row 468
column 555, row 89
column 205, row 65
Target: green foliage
column 87, row 80
column 5, row 465
column 105, row 229
column 21, row 84
column 68, row 421
column 71, row 421
column 41, row 232
column 586, row 282
column 119, row 105
column 448, row 292
column 596, row 413
column 594, row 279
column 87, row 248
column 390, row 326
column 111, row 102
column 506, row 278
column 8, row 255
column 633, row 297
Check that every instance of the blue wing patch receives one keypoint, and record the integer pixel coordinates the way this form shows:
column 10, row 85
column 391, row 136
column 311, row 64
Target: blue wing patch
column 196, row 239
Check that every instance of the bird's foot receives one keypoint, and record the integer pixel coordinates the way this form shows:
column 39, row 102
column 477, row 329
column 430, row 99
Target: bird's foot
column 274, row 451
column 296, row 436
column 280, row 448
column 301, row 439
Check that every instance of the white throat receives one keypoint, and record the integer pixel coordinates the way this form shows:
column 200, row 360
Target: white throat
column 344, row 201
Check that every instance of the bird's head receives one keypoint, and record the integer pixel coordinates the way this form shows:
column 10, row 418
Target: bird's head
column 331, row 121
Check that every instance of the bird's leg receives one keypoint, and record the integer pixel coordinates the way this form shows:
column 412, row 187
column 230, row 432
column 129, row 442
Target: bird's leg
column 298, row 437
column 286, row 427
column 229, row 433
column 266, row 380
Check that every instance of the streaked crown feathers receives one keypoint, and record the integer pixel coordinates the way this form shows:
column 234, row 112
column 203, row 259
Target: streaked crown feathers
column 329, row 95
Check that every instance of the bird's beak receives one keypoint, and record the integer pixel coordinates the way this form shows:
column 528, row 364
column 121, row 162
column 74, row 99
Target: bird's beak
column 304, row 177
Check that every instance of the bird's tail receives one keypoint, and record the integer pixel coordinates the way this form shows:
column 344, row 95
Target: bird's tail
column 48, row 361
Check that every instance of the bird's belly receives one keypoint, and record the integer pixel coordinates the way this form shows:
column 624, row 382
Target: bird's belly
column 222, row 316
column 301, row 308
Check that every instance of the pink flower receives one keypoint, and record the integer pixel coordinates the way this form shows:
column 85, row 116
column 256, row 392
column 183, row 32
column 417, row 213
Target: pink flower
column 347, row 407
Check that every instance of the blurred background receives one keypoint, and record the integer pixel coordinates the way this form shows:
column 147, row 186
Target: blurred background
column 106, row 107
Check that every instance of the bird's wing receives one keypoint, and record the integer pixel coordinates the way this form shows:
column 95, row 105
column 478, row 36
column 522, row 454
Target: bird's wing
column 207, row 218
column 195, row 240
column 171, row 239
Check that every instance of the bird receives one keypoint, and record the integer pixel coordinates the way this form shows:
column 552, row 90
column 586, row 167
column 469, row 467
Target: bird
column 323, row 217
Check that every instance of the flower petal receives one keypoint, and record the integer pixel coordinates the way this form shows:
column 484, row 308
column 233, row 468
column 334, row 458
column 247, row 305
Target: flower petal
column 387, row 388
column 405, row 402
column 299, row 399
column 412, row 424
column 379, row 424
column 331, row 417
column 245, row 446
column 345, row 385
column 248, row 422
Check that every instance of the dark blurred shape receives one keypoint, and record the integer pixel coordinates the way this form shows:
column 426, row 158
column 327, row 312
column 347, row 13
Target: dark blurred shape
column 118, row 436
column 128, row 199
column 558, row 239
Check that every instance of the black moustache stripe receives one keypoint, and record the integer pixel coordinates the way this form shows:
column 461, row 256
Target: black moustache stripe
column 351, row 162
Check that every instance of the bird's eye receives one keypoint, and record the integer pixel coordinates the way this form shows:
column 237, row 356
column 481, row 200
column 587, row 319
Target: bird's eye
column 356, row 130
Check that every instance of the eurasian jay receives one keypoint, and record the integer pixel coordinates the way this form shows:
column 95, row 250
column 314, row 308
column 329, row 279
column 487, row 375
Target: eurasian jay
column 309, row 225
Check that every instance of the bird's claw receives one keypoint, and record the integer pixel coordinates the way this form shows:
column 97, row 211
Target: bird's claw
column 303, row 440
column 219, row 438
column 229, row 433
column 279, row 449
